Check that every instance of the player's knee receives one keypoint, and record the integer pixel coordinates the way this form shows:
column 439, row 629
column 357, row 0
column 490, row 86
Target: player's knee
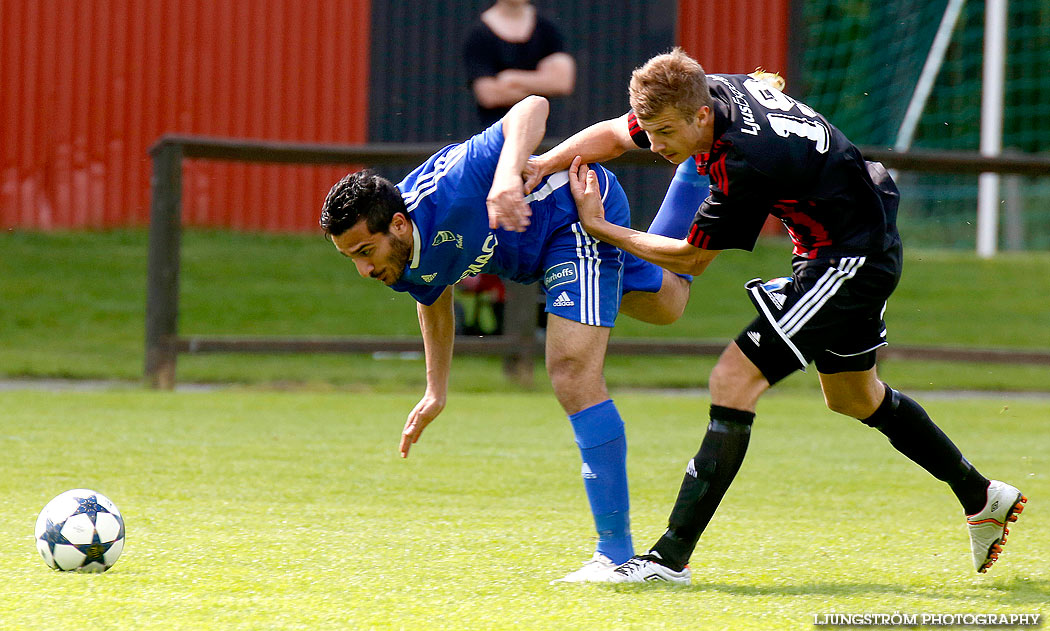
column 569, row 368
column 735, row 381
column 656, row 313
column 848, row 406
column 720, row 377
column 725, row 379
column 661, row 308
column 673, row 306
column 577, row 382
column 838, row 406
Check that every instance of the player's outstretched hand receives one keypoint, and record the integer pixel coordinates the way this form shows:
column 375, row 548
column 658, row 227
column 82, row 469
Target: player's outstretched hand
column 506, row 204
column 584, row 186
column 425, row 411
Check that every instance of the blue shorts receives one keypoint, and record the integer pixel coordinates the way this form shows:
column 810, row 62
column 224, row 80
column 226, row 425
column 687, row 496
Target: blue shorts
column 639, row 275
column 583, row 277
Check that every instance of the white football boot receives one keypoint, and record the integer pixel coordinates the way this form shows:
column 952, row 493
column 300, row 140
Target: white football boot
column 988, row 528
column 645, row 568
column 594, row 571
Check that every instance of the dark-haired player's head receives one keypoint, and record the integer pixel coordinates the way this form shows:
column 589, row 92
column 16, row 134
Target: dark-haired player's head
column 670, row 97
column 366, row 220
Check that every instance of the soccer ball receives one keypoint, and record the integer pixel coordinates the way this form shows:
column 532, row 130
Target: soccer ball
column 80, row 530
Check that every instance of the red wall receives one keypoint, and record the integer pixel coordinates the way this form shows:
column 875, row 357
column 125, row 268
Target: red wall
column 86, row 86
column 736, row 37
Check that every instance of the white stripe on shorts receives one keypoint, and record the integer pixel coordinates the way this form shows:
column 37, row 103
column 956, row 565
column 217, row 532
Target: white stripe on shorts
column 756, row 290
column 587, row 253
column 585, row 275
column 811, row 302
column 595, row 275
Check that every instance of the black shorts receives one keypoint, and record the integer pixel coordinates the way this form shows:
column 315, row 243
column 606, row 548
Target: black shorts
column 828, row 312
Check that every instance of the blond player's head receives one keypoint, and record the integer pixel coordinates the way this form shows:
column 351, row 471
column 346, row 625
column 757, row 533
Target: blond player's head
column 673, row 80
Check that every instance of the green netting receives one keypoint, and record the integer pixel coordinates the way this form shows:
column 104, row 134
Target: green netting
column 860, row 64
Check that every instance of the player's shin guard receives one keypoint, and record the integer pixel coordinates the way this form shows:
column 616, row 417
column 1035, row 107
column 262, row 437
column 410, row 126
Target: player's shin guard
column 914, row 434
column 686, row 192
column 707, row 478
column 603, row 446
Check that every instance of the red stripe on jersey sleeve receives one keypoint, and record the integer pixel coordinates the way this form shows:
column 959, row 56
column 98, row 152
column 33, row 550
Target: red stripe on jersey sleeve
column 720, row 175
column 698, row 238
column 636, row 131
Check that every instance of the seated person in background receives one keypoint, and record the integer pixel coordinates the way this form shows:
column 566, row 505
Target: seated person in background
column 511, row 52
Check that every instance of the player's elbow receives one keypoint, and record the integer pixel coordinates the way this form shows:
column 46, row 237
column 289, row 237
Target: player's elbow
column 531, row 108
column 537, row 102
column 695, row 268
column 695, row 262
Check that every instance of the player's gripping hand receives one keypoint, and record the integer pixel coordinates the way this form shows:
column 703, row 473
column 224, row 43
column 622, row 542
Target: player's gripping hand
column 506, row 203
column 533, row 174
column 425, row 411
column 584, row 186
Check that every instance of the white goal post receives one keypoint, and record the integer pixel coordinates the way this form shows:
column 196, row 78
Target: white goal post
column 992, row 87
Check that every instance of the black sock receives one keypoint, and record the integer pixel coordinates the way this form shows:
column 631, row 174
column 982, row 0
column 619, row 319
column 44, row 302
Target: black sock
column 706, row 480
column 912, row 433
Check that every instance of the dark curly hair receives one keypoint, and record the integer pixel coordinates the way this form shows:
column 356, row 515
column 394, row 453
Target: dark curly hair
column 361, row 195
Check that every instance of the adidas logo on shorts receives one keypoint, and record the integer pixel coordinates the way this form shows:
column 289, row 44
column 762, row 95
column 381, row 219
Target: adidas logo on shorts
column 564, row 301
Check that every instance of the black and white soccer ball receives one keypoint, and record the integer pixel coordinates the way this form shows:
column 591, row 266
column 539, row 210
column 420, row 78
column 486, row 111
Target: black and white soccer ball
column 80, row 530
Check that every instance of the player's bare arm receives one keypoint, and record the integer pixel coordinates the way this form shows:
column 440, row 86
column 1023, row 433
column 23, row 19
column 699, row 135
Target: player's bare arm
column 675, row 255
column 600, row 142
column 523, row 129
column 437, row 323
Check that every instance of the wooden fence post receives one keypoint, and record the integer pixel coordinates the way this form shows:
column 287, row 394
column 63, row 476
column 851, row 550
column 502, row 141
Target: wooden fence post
column 519, row 327
column 162, row 276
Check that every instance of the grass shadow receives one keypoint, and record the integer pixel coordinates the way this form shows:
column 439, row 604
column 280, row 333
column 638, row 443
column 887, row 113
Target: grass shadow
column 1020, row 590
column 1014, row 591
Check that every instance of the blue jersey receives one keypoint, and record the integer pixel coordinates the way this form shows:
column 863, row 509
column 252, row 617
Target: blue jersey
column 445, row 199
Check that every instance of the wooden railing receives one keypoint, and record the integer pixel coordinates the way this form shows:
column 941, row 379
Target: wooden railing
column 518, row 346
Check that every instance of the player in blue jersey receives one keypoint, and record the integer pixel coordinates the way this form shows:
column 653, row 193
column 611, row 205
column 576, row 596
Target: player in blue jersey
column 434, row 228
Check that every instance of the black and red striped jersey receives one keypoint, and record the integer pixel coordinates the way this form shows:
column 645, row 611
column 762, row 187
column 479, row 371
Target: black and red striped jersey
column 775, row 155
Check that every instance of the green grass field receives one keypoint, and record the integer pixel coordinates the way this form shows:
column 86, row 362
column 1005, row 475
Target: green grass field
column 280, row 503
column 252, row 509
column 73, row 304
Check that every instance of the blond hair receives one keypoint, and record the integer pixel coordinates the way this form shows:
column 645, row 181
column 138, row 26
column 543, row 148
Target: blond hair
column 672, row 79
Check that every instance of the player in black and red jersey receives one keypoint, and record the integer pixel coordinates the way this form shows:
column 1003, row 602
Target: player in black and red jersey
column 767, row 153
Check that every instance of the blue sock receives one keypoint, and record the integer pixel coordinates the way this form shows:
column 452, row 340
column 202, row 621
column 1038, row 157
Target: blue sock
column 687, row 191
column 603, row 447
